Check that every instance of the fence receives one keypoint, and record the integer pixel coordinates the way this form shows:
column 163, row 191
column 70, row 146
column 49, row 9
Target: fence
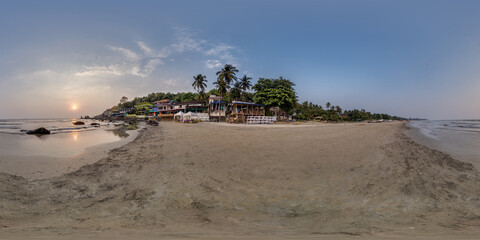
column 261, row 119
column 195, row 116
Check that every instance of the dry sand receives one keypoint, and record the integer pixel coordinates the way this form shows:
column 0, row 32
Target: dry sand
column 214, row 181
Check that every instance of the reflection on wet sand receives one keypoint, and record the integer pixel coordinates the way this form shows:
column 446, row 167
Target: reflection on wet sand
column 75, row 136
column 120, row 132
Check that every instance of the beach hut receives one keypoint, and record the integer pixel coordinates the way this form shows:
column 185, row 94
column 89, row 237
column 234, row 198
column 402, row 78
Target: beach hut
column 179, row 116
column 242, row 110
column 218, row 111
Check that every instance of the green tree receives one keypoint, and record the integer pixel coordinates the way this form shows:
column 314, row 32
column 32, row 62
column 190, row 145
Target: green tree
column 123, row 99
column 225, row 77
column 199, row 84
column 275, row 93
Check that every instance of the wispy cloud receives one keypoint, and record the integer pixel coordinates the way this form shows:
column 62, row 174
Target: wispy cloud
column 218, row 53
column 146, row 50
column 187, row 42
column 144, row 60
column 211, row 64
column 129, row 62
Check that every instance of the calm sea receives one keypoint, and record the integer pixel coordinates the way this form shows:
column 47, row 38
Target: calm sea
column 459, row 138
column 66, row 140
column 19, row 126
column 67, row 148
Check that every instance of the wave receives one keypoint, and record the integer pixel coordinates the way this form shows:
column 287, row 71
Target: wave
column 9, row 124
column 12, row 133
column 1, row 127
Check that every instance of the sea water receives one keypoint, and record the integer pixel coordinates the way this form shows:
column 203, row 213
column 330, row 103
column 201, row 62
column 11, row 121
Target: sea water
column 459, row 138
column 59, row 152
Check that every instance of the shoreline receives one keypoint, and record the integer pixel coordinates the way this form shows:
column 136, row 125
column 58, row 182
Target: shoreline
column 369, row 179
column 463, row 147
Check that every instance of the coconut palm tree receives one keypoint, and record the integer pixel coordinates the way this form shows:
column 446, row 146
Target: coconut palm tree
column 328, row 105
column 225, row 77
column 245, row 84
column 199, row 84
column 236, row 91
column 221, row 87
column 339, row 110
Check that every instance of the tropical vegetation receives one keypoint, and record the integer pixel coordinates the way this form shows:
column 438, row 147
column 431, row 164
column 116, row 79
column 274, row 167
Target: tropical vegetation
column 271, row 92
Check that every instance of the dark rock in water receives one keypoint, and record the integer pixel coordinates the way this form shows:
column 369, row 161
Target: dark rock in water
column 95, row 124
column 39, row 131
column 78, row 123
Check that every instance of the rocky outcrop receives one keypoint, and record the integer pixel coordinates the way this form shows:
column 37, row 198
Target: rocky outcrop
column 38, row 131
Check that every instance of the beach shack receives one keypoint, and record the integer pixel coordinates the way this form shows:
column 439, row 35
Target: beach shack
column 165, row 109
column 126, row 111
column 115, row 112
column 218, row 110
column 279, row 114
column 142, row 109
column 157, row 106
column 242, row 110
column 195, row 107
column 106, row 112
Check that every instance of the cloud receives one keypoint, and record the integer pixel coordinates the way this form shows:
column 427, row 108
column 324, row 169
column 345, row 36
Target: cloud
column 99, row 71
column 130, row 62
column 144, row 60
column 221, row 52
column 128, row 54
column 211, row 64
column 147, row 50
column 186, row 41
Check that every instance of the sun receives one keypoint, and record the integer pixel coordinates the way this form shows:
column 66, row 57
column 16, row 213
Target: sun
column 74, row 107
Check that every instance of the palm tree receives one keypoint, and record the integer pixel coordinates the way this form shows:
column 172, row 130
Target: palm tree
column 236, row 91
column 328, row 105
column 339, row 110
column 225, row 77
column 245, row 84
column 199, row 83
column 221, row 87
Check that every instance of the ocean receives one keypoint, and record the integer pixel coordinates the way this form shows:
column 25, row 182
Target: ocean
column 459, row 138
column 68, row 146
column 59, row 125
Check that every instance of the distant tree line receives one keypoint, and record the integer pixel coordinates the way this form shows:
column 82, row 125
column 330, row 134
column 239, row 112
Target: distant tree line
column 309, row 111
column 153, row 97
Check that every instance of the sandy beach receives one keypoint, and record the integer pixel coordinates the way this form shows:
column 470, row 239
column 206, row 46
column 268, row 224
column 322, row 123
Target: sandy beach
column 219, row 181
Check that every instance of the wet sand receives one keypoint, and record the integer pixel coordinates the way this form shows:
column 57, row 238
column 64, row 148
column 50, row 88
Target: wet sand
column 214, row 181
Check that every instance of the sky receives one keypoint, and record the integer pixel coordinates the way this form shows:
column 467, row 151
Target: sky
column 404, row 58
